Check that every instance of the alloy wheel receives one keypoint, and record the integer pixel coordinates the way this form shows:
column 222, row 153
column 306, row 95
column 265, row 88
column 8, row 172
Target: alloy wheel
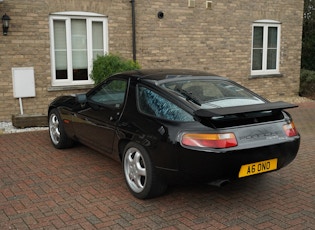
column 135, row 170
column 54, row 128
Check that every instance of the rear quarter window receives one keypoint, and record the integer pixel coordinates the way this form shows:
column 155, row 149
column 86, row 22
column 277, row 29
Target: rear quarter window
column 153, row 104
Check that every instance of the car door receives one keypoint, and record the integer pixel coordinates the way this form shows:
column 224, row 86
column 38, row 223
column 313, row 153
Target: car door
column 95, row 125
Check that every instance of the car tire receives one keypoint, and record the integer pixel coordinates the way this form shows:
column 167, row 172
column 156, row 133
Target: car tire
column 57, row 134
column 140, row 175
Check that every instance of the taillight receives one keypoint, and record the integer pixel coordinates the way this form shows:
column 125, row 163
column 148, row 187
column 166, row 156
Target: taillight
column 219, row 141
column 290, row 130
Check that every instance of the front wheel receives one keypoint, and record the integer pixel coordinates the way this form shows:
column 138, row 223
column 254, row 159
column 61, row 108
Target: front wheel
column 57, row 133
column 139, row 172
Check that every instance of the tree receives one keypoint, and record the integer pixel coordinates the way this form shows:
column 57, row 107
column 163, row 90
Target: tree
column 308, row 37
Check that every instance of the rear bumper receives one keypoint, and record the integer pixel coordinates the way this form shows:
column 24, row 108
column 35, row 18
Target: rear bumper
column 208, row 166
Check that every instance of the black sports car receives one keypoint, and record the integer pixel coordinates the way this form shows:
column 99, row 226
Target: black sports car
column 170, row 126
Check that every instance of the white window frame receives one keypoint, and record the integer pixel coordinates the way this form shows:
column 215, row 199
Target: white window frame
column 67, row 16
column 266, row 24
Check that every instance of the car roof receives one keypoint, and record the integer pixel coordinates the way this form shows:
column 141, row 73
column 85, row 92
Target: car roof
column 164, row 74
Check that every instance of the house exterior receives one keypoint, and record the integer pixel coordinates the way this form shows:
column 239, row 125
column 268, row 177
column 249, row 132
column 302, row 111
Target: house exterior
column 256, row 43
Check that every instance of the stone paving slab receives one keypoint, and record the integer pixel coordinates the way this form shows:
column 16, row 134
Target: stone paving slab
column 45, row 188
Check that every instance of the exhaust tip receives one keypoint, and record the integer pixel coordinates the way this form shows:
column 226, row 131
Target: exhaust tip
column 219, row 183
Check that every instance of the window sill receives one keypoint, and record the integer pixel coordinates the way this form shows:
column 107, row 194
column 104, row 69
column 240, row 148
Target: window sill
column 69, row 87
column 279, row 75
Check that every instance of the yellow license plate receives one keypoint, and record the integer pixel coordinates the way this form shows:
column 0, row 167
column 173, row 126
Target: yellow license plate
column 258, row 167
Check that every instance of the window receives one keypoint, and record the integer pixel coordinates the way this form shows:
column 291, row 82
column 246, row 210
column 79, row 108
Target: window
column 210, row 94
column 266, row 47
column 155, row 105
column 76, row 39
column 110, row 94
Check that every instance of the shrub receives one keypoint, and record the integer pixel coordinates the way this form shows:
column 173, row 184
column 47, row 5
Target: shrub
column 307, row 83
column 109, row 64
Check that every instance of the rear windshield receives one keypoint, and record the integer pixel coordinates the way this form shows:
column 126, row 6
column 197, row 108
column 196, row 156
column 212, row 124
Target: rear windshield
column 212, row 93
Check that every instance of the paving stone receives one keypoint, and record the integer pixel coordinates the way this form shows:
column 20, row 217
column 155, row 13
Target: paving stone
column 45, row 188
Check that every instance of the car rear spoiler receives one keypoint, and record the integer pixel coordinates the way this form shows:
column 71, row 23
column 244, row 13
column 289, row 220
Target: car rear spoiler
column 236, row 110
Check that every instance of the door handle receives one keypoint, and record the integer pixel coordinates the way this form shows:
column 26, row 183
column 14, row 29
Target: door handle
column 114, row 118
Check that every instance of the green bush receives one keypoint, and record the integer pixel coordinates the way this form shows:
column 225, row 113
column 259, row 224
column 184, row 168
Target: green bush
column 109, row 64
column 307, row 83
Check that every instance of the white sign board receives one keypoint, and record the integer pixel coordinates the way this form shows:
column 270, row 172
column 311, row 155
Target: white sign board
column 23, row 82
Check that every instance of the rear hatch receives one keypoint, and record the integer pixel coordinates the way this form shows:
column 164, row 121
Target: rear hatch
column 253, row 125
column 242, row 115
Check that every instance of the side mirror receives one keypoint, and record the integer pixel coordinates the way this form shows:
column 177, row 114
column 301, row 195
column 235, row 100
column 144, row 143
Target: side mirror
column 83, row 101
column 81, row 98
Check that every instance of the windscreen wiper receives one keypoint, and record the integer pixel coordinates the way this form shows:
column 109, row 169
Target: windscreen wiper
column 188, row 96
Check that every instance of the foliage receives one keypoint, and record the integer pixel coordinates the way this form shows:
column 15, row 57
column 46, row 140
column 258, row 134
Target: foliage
column 109, row 64
column 307, row 83
column 307, row 80
column 308, row 45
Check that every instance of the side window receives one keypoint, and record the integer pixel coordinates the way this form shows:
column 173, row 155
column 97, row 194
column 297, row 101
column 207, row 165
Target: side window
column 110, row 94
column 153, row 104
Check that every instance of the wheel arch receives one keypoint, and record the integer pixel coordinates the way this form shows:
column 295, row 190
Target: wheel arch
column 121, row 147
column 49, row 110
column 124, row 142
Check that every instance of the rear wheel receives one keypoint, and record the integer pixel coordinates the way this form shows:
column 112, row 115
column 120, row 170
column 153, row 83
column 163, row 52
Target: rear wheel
column 57, row 133
column 139, row 172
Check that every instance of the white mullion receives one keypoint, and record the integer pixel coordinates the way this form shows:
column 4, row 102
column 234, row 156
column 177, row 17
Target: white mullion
column 265, row 48
column 278, row 47
column 69, row 50
column 52, row 50
column 105, row 36
column 89, row 45
column 252, row 55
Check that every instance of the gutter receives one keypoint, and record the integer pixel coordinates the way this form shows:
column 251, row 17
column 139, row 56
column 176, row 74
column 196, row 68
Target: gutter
column 133, row 15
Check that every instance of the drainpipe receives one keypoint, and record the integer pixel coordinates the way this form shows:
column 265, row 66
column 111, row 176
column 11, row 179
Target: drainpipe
column 133, row 14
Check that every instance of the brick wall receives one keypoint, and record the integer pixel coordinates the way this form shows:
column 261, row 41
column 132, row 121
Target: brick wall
column 219, row 40
column 216, row 40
